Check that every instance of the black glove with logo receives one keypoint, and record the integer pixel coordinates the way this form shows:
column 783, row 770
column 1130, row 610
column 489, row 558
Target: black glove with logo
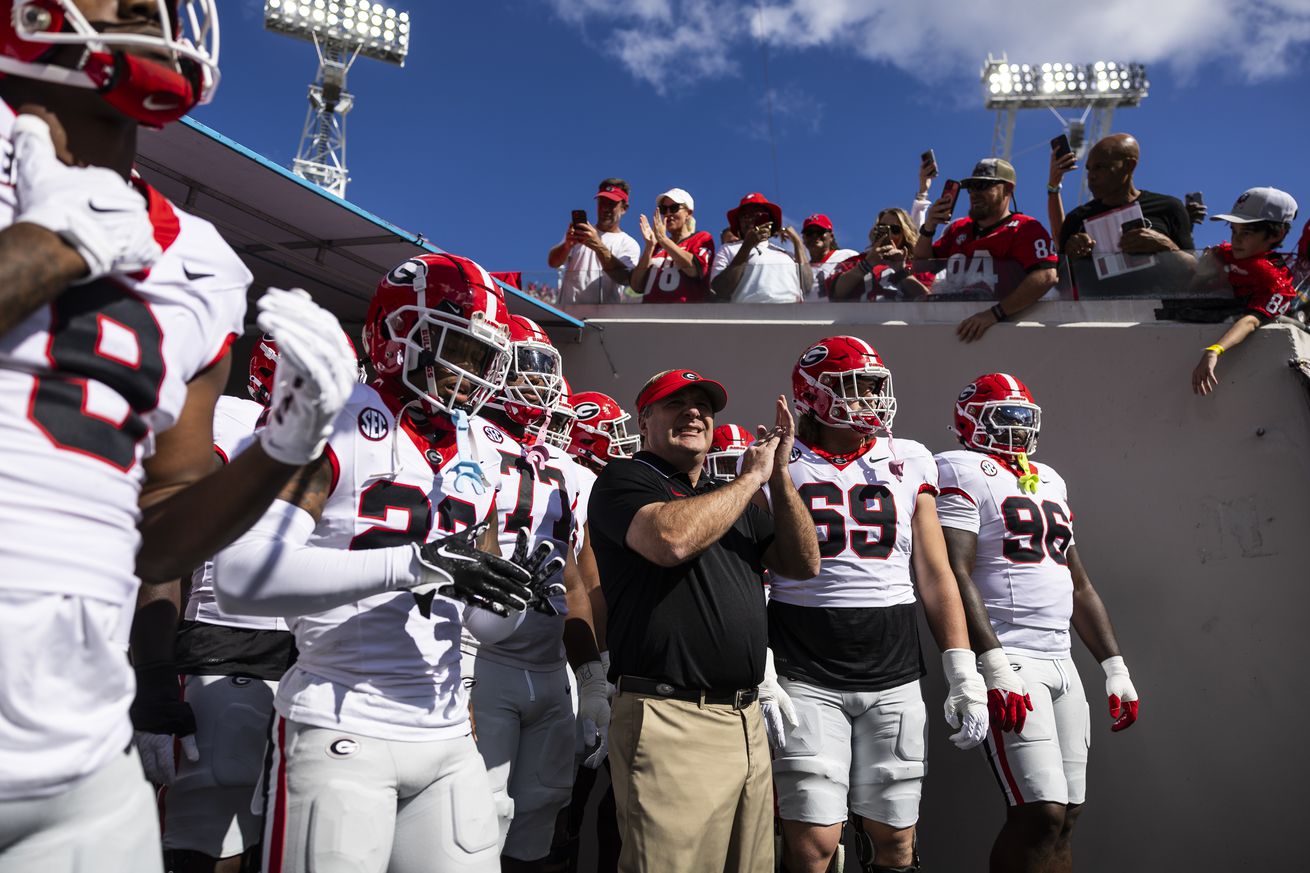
column 545, row 567
column 454, row 567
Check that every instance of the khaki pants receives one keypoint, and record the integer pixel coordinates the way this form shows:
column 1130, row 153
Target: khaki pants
column 693, row 787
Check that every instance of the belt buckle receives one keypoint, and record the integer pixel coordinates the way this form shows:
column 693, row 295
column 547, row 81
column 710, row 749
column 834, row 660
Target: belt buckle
column 737, row 698
column 664, row 688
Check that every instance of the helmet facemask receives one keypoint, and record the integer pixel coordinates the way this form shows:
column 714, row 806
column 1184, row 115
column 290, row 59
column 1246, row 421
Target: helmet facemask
column 477, row 357
column 723, row 465
column 534, row 384
column 1006, row 427
column 861, row 400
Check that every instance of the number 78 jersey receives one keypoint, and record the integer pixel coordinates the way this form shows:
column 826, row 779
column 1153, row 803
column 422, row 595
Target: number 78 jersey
column 1022, row 568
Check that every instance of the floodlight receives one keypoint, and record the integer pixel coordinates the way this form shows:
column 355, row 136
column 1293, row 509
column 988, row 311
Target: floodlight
column 341, row 31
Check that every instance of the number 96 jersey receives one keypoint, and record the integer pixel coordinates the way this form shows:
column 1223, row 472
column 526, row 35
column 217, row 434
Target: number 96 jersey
column 1022, row 568
column 85, row 385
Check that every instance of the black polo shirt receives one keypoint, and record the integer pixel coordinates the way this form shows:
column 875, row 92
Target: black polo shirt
column 1165, row 214
column 701, row 624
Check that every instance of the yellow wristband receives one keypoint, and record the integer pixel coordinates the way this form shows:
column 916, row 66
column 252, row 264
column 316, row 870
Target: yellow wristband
column 1216, row 348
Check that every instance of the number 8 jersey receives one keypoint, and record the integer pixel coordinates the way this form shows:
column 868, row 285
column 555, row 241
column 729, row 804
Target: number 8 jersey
column 85, row 384
column 1021, row 570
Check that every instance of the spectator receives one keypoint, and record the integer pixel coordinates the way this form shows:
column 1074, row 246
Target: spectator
column 755, row 270
column 1260, row 278
column 1195, row 206
column 1001, row 254
column 597, row 259
column 825, row 255
column 728, row 235
column 881, row 271
column 1096, row 225
column 680, row 556
column 675, row 264
column 1060, row 165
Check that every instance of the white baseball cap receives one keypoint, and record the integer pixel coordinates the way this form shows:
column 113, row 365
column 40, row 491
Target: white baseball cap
column 677, row 195
column 1261, row 204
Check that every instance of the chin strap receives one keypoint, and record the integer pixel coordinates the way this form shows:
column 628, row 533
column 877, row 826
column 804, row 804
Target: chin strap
column 1028, row 481
column 467, row 471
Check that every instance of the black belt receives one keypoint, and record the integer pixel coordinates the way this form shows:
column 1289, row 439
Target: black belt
column 739, row 699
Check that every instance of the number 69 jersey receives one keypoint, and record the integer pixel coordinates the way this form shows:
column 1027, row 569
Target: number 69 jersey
column 86, row 383
column 539, row 493
column 1021, row 569
column 863, row 506
column 377, row 667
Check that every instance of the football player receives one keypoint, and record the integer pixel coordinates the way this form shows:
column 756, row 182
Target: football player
column 107, row 400
column 521, row 697
column 373, row 764
column 1009, row 530
column 846, row 643
column 727, row 444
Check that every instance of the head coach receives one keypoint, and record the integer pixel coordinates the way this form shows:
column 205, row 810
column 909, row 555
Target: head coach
column 680, row 558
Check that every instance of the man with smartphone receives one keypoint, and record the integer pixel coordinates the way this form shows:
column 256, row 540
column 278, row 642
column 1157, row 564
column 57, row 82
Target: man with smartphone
column 755, row 270
column 1165, row 232
column 993, row 253
column 597, row 259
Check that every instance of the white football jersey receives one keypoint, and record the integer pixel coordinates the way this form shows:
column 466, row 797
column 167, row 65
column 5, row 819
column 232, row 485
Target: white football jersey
column 377, row 667
column 235, row 420
column 85, row 385
column 586, row 481
column 1021, row 570
column 539, row 493
column 823, row 269
column 863, row 507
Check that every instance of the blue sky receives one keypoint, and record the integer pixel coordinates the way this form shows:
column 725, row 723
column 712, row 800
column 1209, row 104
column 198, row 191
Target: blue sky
column 509, row 112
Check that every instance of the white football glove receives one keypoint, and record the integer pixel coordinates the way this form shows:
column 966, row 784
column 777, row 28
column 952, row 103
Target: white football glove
column 316, row 372
column 93, row 209
column 775, row 705
column 966, row 700
column 1008, row 702
column 594, row 711
column 156, row 751
column 1121, row 693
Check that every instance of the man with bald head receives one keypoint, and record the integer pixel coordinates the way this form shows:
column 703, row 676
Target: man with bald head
column 1110, row 165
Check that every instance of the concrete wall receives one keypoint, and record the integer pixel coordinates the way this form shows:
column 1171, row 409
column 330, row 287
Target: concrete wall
column 1192, row 516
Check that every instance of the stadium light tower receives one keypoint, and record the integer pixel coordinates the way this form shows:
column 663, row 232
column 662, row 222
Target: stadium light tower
column 341, row 31
column 1097, row 89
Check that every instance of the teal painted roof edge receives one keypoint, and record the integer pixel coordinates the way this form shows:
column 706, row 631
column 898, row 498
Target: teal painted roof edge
column 362, row 213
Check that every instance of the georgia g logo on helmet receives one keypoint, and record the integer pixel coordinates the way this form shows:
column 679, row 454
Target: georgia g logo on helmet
column 406, row 273
column 586, row 411
column 814, row 356
column 968, row 391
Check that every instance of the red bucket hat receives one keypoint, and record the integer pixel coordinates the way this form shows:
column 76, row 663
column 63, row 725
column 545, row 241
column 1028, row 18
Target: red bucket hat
column 759, row 200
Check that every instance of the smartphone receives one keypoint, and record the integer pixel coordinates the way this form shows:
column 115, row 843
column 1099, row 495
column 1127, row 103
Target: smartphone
column 1133, row 224
column 951, row 190
column 1193, row 198
column 1060, row 145
column 928, row 159
column 579, row 216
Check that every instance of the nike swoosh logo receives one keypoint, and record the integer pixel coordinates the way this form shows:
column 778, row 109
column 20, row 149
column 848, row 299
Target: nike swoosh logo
column 155, row 103
column 442, row 551
column 95, row 208
column 195, row 277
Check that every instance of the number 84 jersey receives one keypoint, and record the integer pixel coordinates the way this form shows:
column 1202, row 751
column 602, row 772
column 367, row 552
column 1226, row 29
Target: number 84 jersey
column 1022, row 568
column 863, row 507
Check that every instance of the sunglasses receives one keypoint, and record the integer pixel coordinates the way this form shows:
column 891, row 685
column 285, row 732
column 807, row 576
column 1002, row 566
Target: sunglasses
column 669, row 208
column 814, row 231
column 980, row 186
column 889, row 230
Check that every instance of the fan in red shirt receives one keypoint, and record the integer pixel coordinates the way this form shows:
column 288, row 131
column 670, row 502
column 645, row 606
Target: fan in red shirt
column 674, row 266
column 994, row 252
column 1260, row 221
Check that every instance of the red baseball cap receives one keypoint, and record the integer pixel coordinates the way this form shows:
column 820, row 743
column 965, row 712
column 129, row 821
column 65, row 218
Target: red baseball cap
column 612, row 192
column 818, row 219
column 661, row 385
column 759, row 200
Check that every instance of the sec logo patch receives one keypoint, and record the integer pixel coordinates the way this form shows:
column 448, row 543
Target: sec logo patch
column 373, row 425
column 494, row 434
column 795, row 454
column 989, row 467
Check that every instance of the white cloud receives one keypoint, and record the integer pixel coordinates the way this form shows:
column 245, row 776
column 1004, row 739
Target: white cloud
column 673, row 42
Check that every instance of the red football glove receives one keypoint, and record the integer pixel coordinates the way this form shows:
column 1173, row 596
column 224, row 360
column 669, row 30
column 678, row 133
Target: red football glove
column 1008, row 702
column 1123, row 696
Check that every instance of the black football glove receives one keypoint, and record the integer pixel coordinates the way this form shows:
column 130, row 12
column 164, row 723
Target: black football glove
column 158, row 716
column 456, row 568
column 545, row 567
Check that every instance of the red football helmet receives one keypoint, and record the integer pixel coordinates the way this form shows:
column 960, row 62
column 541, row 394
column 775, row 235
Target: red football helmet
column 153, row 78
column 535, row 378
column 600, row 431
column 437, row 318
column 727, row 444
column 996, row 413
column 843, row 382
column 263, row 364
